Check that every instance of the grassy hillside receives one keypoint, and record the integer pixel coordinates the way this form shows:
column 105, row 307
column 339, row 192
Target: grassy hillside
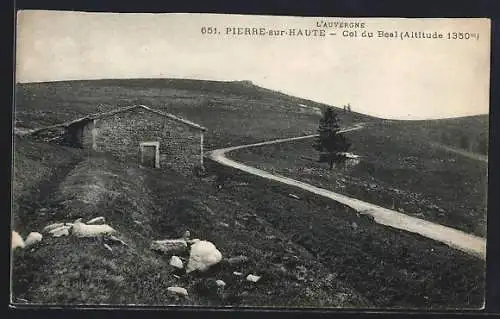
column 310, row 252
column 391, row 268
column 233, row 112
column 143, row 205
column 398, row 170
column 469, row 133
column 36, row 166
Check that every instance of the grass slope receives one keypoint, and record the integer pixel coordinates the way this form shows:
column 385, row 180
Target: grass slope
column 397, row 171
column 469, row 133
column 144, row 205
column 234, row 112
column 334, row 249
column 37, row 168
column 391, row 268
column 309, row 252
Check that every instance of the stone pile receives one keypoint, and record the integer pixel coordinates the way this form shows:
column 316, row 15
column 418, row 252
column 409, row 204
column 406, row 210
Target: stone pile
column 193, row 256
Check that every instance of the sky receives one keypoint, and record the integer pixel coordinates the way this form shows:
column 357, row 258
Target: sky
column 385, row 77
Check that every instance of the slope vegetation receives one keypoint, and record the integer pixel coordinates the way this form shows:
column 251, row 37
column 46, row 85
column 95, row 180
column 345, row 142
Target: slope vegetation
column 310, row 252
column 145, row 205
column 397, row 170
column 234, row 112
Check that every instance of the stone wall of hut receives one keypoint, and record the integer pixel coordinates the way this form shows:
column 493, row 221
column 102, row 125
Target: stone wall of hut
column 121, row 134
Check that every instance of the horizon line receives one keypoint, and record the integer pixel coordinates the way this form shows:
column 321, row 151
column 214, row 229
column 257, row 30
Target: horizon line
column 253, row 83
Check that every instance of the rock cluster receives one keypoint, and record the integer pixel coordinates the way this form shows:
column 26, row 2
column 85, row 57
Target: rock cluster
column 199, row 256
column 93, row 228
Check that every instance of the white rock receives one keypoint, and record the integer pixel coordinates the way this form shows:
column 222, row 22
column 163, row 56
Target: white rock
column 178, row 291
column 96, row 220
column 60, row 231
column 33, row 238
column 237, row 273
column 220, row 283
column 253, row 278
column 82, row 230
column 176, row 262
column 51, row 227
column 202, row 256
column 17, row 240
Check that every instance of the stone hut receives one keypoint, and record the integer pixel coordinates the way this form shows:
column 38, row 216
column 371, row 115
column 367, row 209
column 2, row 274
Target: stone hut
column 139, row 133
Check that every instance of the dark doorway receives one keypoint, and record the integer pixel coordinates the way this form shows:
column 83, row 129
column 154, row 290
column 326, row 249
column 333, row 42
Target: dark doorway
column 150, row 154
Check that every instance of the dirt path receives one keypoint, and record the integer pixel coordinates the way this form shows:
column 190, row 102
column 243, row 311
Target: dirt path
column 452, row 237
column 476, row 156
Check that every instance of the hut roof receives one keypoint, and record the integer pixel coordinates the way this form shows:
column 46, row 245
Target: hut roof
column 91, row 117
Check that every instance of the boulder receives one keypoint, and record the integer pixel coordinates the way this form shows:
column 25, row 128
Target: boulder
column 220, row 283
column 51, row 227
column 202, row 256
column 169, row 245
column 82, row 230
column 179, row 291
column 60, row 231
column 253, row 278
column 17, row 240
column 33, row 238
column 176, row 262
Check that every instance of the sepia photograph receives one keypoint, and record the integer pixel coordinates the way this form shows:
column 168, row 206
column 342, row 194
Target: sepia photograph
column 223, row 160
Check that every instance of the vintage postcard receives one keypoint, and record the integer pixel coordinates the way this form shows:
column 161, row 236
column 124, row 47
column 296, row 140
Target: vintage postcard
column 216, row 160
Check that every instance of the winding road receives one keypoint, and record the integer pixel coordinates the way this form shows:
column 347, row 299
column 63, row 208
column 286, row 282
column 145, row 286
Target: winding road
column 452, row 237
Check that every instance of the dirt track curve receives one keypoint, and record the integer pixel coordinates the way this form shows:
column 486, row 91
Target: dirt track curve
column 452, row 237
